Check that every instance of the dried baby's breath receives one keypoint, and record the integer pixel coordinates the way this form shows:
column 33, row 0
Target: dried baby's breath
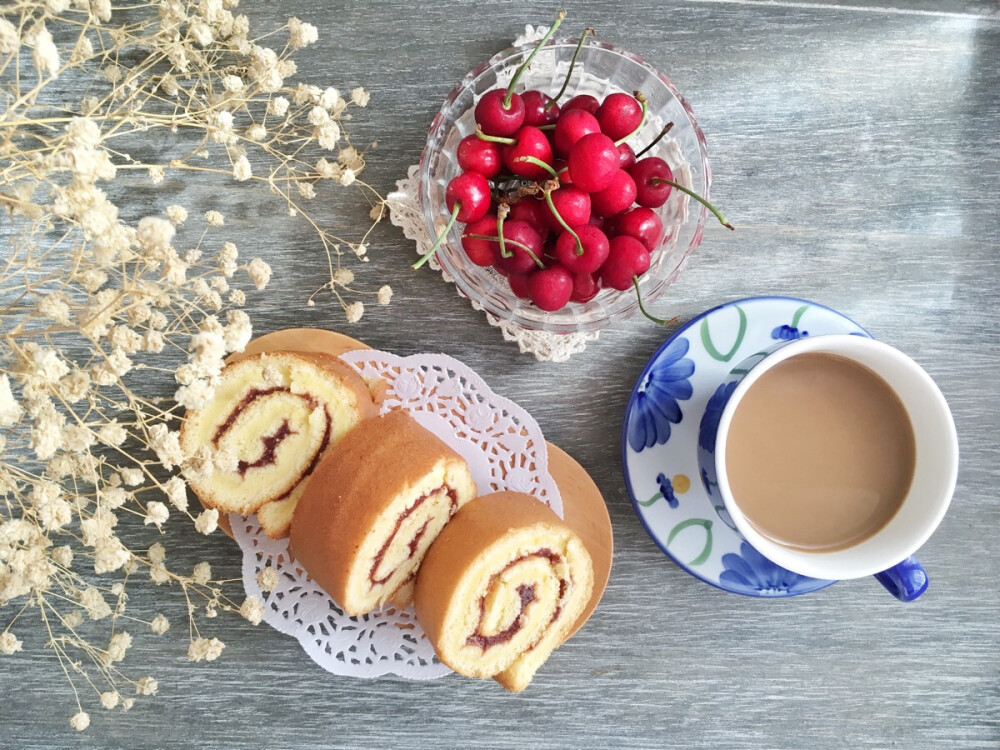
column 104, row 304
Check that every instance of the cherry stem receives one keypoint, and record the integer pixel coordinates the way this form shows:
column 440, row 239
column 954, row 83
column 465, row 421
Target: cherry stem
column 666, row 129
column 524, row 66
column 641, row 98
column 493, row 138
column 559, row 218
column 550, row 126
column 539, row 163
column 444, row 233
column 515, row 243
column 501, row 215
column 572, row 63
column 702, row 201
column 642, row 309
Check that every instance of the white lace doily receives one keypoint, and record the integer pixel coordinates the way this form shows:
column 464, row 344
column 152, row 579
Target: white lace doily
column 505, row 450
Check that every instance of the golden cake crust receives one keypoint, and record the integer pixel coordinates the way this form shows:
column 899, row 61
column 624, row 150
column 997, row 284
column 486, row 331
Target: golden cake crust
column 353, row 486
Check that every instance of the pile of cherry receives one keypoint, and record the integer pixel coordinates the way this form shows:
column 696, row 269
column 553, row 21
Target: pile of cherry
column 554, row 198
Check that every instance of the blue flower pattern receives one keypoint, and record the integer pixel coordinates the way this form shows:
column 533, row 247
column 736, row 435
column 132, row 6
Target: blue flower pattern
column 656, row 406
column 749, row 572
column 787, row 333
column 667, row 490
column 713, row 415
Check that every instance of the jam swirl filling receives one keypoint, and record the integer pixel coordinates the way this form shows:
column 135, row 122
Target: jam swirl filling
column 270, row 443
column 414, row 543
column 526, row 593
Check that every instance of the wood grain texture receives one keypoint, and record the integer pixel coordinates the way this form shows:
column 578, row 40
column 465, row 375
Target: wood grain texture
column 858, row 153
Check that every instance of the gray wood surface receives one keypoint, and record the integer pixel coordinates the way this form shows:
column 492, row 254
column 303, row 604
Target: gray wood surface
column 858, row 152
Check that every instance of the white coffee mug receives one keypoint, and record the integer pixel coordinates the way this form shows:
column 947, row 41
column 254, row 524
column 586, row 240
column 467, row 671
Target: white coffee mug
column 887, row 553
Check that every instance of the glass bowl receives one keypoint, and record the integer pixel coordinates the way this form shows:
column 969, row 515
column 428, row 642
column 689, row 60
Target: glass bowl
column 601, row 69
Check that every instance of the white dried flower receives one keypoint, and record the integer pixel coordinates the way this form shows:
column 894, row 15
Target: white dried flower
column 202, row 649
column 62, row 556
column 214, row 218
column 80, row 721
column 54, row 307
column 238, row 330
column 132, row 476
column 9, row 41
column 92, row 601
column 156, row 553
column 259, row 272
column 176, row 214
column 331, row 100
column 158, row 574
column 202, row 573
column 354, row 312
column 9, row 643
column 110, row 555
column 232, row 83
column 301, row 34
column 360, row 97
column 120, row 643
column 278, row 106
column 256, row 132
column 327, row 135
column 252, row 610
column 328, row 170
column 166, row 445
column 176, row 493
column 10, row 410
column 74, row 619
column 159, row 625
column 154, row 234
column 384, row 294
column 347, row 177
column 267, row 579
column 45, row 55
column 241, row 169
column 343, row 276
column 207, row 521
column 147, row 686
column 156, row 513
column 156, row 174
column 109, row 699
column 238, row 297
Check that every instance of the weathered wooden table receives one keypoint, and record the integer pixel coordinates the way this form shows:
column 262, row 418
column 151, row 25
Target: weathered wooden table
column 858, row 150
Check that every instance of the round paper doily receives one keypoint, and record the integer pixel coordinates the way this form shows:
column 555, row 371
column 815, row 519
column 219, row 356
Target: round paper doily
column 505, row 450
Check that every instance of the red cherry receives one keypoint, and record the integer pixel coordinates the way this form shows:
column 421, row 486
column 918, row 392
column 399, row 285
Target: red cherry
column 562, row 170
column 572, row 126
column 619, row 115
column 643, row 224
column 471, row 193
column 585, row 287
column 519, row 261
column 495, row 118
column 477, row 155
column 572, row 204
column 550, row 289
column 536, row 111
column 595, row 249
column 586, row 102
column 593, row 162
column 616, row 197
column 648, row 193
column 468, row 199
column 530, row 142
column 626, row 156
column 627, row 257
column 519, row 285
column 533, row 211
column 481, row 252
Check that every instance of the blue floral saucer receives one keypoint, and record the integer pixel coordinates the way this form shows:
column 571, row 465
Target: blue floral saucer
column 677, row 400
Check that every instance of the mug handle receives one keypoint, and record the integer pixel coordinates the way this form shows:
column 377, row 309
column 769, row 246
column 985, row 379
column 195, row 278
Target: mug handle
column 906, row 580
